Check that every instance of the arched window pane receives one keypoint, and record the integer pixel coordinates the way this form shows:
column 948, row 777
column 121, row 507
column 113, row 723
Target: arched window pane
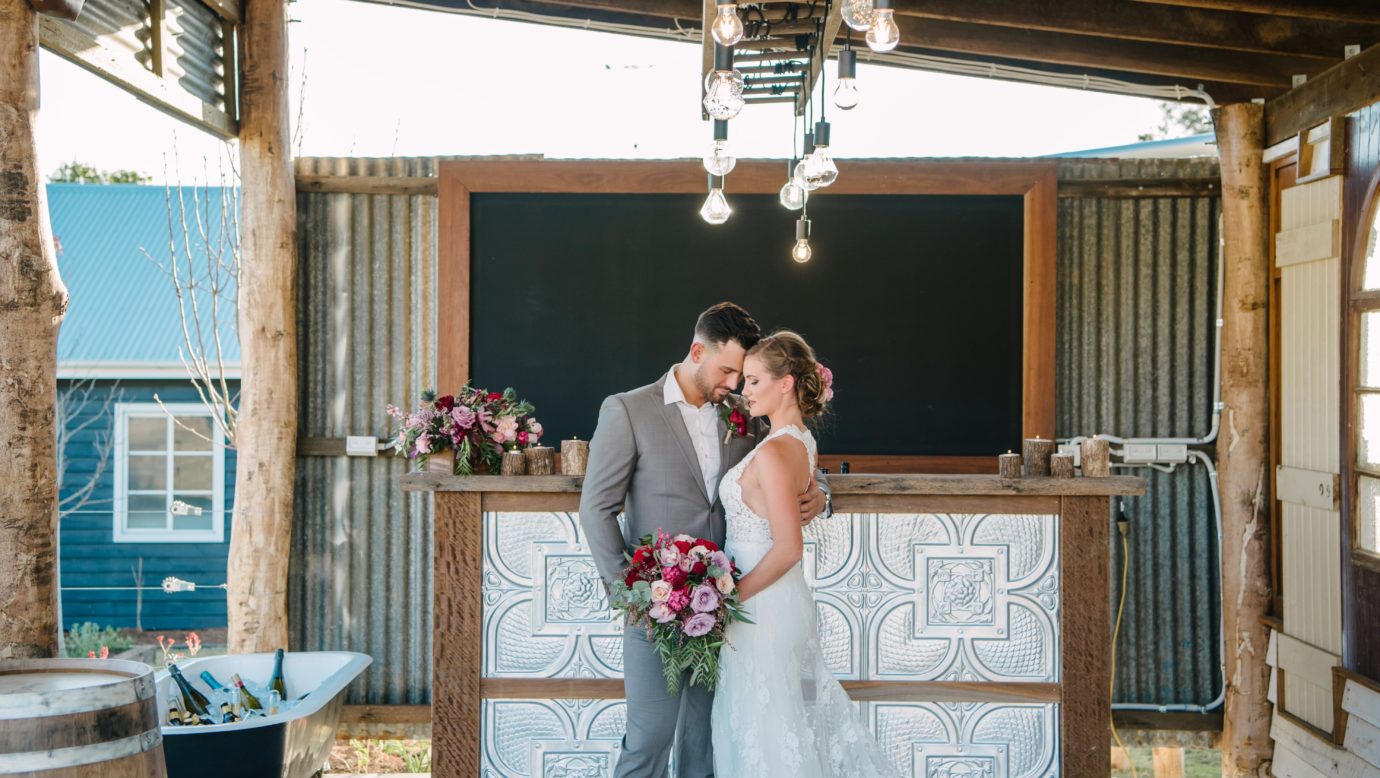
column 1368, row 514
column 1371, row 278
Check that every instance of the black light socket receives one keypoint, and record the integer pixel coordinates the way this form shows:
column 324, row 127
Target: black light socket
column 716, row 182
column 723, row 57
column 802, row 228
column 809, row 143
column 848, row 64
column 821, row 133
column 720, row 129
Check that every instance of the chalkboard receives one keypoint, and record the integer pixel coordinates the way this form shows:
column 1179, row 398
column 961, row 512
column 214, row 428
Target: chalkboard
column 914, row 301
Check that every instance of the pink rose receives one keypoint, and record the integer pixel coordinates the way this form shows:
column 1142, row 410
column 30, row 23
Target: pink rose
column 704, row 599
column 720, row 560
column 463, row 417
column 700, row 553
column 673, row 576
column 677, row 600
column 699, row 624
column 684, row 538
column 508, row 428
column 423, row 443
column 660, row 591
column 686, row 563
column 724, row 583
column 668, row 556
column 534, row 427
column 662, row 613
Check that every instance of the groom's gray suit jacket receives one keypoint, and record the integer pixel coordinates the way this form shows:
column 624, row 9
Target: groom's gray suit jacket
column 641, row 461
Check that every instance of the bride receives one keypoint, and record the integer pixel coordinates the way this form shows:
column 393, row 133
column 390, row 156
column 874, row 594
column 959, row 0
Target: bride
column 778, row 710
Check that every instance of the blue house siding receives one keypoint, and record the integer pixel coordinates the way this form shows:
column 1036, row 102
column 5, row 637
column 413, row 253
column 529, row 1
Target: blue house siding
column 90, row 556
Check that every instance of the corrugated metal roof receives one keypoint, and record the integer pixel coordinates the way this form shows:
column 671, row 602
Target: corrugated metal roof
column 113, row 239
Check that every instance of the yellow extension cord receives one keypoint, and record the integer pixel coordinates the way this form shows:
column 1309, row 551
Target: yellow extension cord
column 1121, row 527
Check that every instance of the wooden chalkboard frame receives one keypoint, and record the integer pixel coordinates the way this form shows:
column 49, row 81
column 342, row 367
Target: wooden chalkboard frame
column 1036, row 181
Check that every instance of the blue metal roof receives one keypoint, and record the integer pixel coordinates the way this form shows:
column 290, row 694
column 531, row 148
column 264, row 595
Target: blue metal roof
column 113, row 239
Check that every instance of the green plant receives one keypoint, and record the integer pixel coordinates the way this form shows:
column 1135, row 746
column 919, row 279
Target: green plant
column 88, row 637
column 414, row 761
column 361, row 749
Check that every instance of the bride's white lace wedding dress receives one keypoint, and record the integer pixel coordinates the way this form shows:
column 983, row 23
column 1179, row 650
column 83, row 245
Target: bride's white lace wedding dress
column 778, row 710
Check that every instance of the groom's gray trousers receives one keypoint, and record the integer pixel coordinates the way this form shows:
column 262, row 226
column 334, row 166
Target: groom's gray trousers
column 660, row 722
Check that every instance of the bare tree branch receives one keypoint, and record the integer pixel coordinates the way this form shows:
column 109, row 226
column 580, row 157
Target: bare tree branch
column 73, row 419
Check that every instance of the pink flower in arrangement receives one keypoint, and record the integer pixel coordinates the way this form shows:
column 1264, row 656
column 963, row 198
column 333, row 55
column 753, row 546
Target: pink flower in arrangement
column 423, row 444
column 724, row 583
column 662, row 613
column 522, row 437
column 463, row 417
column 699, row 624
column 535, row 428
column 193, row 641
column 704, row 599
column 678, row 600
column 720, row 560
column 660, row 591
column 668, row 556
column 686, row 563
column 684, row 538
column 507, row 427
column 674, row 576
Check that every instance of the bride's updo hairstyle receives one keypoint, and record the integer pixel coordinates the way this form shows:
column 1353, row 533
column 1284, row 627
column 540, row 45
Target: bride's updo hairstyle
column 786, row 353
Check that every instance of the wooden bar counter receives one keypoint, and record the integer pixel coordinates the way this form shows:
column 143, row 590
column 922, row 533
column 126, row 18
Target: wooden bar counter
column 1081, row 506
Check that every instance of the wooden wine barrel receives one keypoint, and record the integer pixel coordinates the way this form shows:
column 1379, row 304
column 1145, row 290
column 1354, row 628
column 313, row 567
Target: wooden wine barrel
column 79, row 718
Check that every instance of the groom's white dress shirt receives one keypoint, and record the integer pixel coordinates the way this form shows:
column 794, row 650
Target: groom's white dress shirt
column 703, row 425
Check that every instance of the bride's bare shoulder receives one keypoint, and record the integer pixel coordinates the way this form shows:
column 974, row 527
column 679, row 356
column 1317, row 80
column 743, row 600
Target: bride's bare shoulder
column 781, row 457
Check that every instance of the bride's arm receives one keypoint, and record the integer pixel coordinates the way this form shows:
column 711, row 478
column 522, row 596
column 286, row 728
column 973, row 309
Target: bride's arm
column 780, row 490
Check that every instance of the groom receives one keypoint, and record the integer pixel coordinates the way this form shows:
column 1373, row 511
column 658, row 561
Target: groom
column 658, row 454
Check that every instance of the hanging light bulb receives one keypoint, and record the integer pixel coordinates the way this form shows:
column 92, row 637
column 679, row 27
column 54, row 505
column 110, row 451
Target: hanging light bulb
column 819, row 169
column 883, row 35
column 798, row 174
column 727, row 28
column 793, row 195
column 723, row 87
column 846, row 93
column 718, row 161
column 715, row 209
column 857, row 14
column 801, row 251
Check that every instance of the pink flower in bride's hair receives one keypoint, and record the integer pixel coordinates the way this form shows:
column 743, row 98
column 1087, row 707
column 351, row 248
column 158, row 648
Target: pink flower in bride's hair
column 668, row 556
column 724, row 583
column 699, row 624
column 678, row 600
column 660, row 591
column 661, row 613
column 704, row 598
column 827, row 376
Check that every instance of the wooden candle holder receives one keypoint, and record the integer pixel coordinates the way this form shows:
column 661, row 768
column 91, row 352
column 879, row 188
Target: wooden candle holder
column 1009, row 465
column 1097, row 458
column 1061, row 465
column 541, row 460
column 1036, row 453
column 574, row 456
column 514, row 463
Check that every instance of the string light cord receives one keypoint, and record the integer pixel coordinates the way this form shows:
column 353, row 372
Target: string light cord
column 1122, row 527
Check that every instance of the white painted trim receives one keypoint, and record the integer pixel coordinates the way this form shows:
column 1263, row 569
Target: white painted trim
column 1290, row 146
column 1310, row 488
column 1361, row 702
column 1363, row 740
column 134, row 370
column 1318, row 754
column 1306, row 662
column 1288, row 764
column 121, row 534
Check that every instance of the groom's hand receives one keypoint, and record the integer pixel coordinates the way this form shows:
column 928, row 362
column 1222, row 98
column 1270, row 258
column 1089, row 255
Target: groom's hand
column 811, row 503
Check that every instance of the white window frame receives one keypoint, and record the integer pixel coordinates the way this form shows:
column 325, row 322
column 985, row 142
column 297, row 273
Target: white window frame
column 122, row 534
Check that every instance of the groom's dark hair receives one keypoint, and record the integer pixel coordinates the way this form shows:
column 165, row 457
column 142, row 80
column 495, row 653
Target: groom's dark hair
column 725, row 322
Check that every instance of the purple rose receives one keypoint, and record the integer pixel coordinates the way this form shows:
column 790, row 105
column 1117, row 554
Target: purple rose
column 704, row 599
column 719, row 559
column 463, row 417
column 699, row 624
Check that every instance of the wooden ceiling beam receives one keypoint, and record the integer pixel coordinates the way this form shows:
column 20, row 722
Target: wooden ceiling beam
column 1353, row 84
column 1157, row 24
column 1181, row 62
column 1363, row 11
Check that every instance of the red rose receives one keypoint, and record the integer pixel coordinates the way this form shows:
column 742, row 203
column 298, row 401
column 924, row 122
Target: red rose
column 639, row 556
column 683, row 546
column 708, row 544
column 737, row 418
column 445, row 402
column 495, row 396
column 630, row 578
column 673, row 576
column 699, row 568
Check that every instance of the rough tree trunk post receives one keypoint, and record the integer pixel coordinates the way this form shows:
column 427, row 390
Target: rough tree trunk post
column 32, row 303
column 1243, row 448
column 267, row 433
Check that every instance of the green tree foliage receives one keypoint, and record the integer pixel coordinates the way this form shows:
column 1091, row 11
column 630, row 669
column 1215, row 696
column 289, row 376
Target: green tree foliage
column 81, row 173
column 1178, row 120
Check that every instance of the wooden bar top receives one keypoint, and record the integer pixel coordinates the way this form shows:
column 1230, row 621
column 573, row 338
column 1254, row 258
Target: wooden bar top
column 839, row 484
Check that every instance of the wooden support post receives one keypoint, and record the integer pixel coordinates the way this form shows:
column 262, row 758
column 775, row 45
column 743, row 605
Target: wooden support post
column 32, row 303
column 1085, row 624
column 267, row 432
column 457, row 634
column 1243, row 448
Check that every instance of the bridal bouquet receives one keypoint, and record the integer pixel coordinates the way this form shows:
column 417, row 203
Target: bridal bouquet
column 476, row 423
column 684, row 591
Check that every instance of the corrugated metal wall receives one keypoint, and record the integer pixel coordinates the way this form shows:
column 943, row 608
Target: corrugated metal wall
column 1136, row 313
column 367, row 336
column 1137, row 310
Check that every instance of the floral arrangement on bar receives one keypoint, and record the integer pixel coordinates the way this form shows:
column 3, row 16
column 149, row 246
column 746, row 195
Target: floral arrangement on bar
column 684, row 591
column 474, row 423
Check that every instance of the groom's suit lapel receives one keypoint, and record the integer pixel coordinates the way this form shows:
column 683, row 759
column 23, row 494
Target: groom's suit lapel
column 670, row 413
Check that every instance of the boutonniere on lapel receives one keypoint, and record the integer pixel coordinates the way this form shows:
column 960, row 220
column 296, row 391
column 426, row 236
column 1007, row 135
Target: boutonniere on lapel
column 734, row 419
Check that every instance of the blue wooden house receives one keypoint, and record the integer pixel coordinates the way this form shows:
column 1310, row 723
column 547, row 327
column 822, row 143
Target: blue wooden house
column 147, row 479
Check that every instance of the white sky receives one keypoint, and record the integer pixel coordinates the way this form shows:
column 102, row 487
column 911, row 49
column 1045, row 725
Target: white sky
column 385, row 81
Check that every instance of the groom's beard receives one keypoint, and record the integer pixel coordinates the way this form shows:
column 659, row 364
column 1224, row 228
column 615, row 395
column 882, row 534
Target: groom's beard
column 710, row 392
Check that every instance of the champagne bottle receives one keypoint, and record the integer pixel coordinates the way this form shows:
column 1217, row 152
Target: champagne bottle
column 227, row 716
column 248, row 701
column 193, row 700
column 174, row 717
column 275, row 681
column 210, row 681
